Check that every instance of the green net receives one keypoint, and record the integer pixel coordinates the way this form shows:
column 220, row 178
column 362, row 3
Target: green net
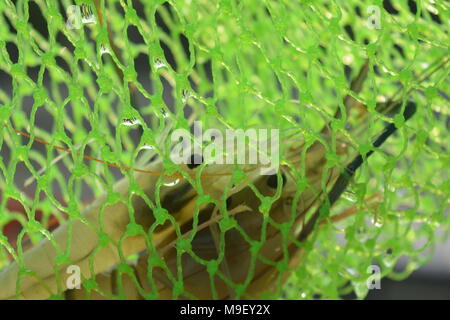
column 90, row 92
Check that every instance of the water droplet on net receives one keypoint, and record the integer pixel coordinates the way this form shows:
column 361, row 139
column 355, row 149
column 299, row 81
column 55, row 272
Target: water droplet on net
column 147, row 147
column 360, row 288
column 352, row 272
column 87, row 14
column 378, row 222
column 185, row 96
column 389, row 261
column 171, row 183
column 159, row 63
column 104, row 49
column 164, row 113
column 350, row 196
column 130, row 122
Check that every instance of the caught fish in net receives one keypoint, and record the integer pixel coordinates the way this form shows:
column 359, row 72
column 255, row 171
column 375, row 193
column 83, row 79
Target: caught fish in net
column 220, row 149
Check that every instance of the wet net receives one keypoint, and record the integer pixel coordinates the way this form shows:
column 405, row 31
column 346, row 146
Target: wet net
column 91, row 92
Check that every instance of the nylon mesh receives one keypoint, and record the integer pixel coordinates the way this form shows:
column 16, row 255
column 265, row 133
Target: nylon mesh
column 230, row 64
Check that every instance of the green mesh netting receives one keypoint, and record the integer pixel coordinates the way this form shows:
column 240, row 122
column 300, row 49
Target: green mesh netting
column 83, row 107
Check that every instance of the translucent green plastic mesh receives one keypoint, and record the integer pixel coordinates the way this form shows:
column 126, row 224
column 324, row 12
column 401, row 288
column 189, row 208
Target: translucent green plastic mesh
column 238, row 64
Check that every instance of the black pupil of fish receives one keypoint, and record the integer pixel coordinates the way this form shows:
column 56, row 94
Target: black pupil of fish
column 195, row 161
column 272, row 181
